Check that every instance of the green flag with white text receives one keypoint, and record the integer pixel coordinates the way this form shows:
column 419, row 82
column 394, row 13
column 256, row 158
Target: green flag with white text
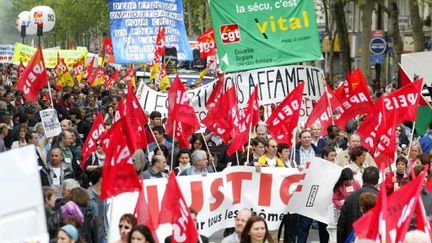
column 264, row 33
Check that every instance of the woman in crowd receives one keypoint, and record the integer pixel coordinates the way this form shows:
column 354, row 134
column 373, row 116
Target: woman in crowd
column 344, row 187
column 68, row 234
column 357, row 159
column 283, row 153
column 256, row 231
column 414, row 151
column 52, row 216
column 401, row 137
column 140, row 234
column 127, row 222
column 21, row 137
column 329, row 153
column 182, row 161
column 89, row 228
column 109, row 116
column 197, row 142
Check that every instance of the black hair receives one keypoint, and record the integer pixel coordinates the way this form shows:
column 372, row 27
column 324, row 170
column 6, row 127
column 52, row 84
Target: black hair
column 346, row 175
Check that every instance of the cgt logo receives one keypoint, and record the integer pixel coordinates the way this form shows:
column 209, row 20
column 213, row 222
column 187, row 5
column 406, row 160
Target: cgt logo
column 230, row 33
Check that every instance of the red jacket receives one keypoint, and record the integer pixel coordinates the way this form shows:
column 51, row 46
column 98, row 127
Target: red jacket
column 343, row 191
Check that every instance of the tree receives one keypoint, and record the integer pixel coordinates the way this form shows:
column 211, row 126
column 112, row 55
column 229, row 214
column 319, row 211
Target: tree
column 417, row 25
column 367, row 8
column 337, row 7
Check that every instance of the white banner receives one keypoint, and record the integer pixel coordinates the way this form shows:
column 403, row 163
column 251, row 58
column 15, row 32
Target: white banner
column 22, row 211
column 50, row 122
column 316, row 190
column 274, row 85
column 6, row 53
column 218, row 197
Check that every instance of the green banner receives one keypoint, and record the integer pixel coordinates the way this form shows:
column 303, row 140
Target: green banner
column 264, row 33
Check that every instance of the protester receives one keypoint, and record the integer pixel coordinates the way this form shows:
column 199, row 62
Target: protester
column 344, row 187
column 56, row 172
column 332, row 139
column 98, row 206
column 88, row 230
column 262, row 131
column 305, row 149
column 21, row 137
column 157, row 168
column 140, row 234
column 426, row 140
column 4, row 130
column 357, row 162
column 283, row 153
column 159, row 133
column 401, row 137
column 68, row 234
column 52, row 215
column 240, row 222
column 126, row 223
column 394, row 179
column 350, row 211
column 316, row 129
column 256, row 231
column 32, row 138
column 199, row 164
column 343, row 158
column 269, row 158
column 414, row 151
column 329, row 154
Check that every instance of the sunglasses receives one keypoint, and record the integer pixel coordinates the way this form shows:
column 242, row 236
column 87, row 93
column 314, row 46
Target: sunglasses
column 124, row 226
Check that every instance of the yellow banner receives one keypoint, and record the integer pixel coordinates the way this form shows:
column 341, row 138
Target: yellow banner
column 24, row 53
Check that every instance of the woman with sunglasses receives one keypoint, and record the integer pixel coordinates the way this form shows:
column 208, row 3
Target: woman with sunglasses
column 127, row 222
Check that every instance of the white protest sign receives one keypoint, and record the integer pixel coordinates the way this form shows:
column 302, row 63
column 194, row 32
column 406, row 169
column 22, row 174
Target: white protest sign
column 22, row 210
column 6, row 53
column 274, row 85
column 217, row 197
column 50, row 122
column 316, row 190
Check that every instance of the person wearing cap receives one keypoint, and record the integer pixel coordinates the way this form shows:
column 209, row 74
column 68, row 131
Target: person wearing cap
column 68, row 234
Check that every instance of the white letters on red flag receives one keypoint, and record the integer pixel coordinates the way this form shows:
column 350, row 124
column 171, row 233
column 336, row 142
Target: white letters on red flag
column 182, row 113
column 401, row 204
column 223, row 119
column 206, row 43
column 323, row 110
column 404, row 101
column 21, row 69
column 357, row 102
column 249, row 118
column 118, row 174
column 34, row 76
column 216, row 93
column 159, row 50
column 176, row 212
column 284, row 119
column 90, row 144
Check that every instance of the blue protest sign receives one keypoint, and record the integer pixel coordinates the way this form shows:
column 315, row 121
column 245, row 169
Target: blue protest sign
column 134, row 25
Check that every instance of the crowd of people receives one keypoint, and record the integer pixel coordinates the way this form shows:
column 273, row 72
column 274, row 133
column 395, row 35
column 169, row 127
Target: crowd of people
column 75, row 212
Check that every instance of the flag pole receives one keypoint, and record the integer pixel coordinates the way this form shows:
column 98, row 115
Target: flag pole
column 237, row 157
column 249, row 141
column 207, row 148
column 154, row 138
column 411, row 139
column 50, row 94
column 173, row 144
column 293, row 144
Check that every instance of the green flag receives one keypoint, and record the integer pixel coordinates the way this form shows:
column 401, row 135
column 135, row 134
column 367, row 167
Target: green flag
column 264, row 33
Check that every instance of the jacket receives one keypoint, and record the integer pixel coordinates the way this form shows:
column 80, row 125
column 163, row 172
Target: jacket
column 262, row 160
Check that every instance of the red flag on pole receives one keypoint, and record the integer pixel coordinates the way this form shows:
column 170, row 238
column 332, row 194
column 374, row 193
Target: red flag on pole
column 135, row 120
column 217, row 92
column 357, row 102
column 249, row 118
column 34, row 76
column 180, row 111
column 21, row 69
column 177, row 214
column 401, row 204
column 322, row 112
column 89, row 69
column 206, row 43
column 90, row 144
column 143, row 213
column 224, row 125
column 283, row 120
column 118, row 174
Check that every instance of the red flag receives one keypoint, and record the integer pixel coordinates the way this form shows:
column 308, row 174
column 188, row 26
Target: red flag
column 136, row 120
column 323, row 110
column 107, row 45
column 159, row 49
column 21, row 69
column 90, row 144
column 249, row 118
column 143, row 213
column 401, row 204
column 97, row 77
column 89, row 69
column 217, row 92
column 357, row 102
column 404, row 101
column 34, row 76
column 206, row 43
column 114, row 77
column 403, row 77
column 283, row 120
column 177, row 214
column 118, row 174
column 422, row 220
column 180, row 111
column 224, row 125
